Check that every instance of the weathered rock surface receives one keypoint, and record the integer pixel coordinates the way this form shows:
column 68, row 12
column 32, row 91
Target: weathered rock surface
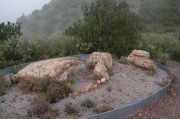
column 57, row 69
column 100, row 70
column 96, row 56
column 141, row 53
column 141, row 59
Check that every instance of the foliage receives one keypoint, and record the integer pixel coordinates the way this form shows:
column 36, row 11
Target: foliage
column 88, row 103
column 57, row 90
column 41, row 108
column 27, row 86
column 10, row 30
column 151, row 72
column 123, row 60
column 54, row 90
column 70, row 86
column 51, row 20
column 18, row 51
column 70, row 109
column 163, row 12
column 103, row 108
column 108, row 25
column 175, row 53
column 2, row 84
column 13, row 79
column 10, row 52
column 158, row 44
column 165, row 82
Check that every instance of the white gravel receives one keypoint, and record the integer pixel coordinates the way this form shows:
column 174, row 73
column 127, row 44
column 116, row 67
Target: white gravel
column 128, row 84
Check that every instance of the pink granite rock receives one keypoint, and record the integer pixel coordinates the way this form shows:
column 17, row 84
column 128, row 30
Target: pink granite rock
column 100, row 70
column 141, row 59
column 57, row 69
column 96, row 56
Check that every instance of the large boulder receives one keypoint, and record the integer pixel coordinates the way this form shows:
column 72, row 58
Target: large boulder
column 57, row 69
column 96, row 56
column 141, row 59
column 100, row 70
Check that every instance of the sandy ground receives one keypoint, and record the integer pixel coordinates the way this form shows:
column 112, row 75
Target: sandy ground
column 128, row 84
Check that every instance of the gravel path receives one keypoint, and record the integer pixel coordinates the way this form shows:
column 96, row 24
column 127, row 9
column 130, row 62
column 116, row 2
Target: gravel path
column 166, row 107
column 128, row 84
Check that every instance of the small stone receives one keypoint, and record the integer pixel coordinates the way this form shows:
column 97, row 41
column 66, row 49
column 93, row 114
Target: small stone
column 89, row 87
column 76, row 93
column 140, row 114
column 103, row 80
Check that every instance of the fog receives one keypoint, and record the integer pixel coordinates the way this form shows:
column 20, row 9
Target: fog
column 10, row 10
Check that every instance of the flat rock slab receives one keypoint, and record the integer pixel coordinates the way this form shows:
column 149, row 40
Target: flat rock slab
column 57, row 69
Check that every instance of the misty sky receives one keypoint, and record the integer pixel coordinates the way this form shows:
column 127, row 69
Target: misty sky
column 10, row 10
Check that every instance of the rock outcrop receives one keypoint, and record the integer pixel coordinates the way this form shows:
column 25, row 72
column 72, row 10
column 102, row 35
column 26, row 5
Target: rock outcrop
column 96, row 56
column 100, row 70
column 141, row 59
column 100, row 62
column 56, row 69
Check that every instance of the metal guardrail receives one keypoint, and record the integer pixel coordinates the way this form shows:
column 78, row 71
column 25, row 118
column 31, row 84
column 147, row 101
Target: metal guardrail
column 122, row 112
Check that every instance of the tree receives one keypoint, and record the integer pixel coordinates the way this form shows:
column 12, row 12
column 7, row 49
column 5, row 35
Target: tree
column 10, row 30
column 109, row 25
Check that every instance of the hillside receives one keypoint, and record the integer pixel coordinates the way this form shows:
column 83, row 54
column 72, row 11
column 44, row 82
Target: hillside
column 58, row 15
column 52, row 19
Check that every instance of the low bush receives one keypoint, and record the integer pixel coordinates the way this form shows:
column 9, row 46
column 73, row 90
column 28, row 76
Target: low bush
column 70, row 109
column 56, row 91
column 175, row 53
column 27, row 86
column 41, row 108
column 2, row 84
column 164, row 82
column 158, row 44
column 88, row 103
column 53, row 90
column 13, row 79
column 103, row 108
column 71, row 87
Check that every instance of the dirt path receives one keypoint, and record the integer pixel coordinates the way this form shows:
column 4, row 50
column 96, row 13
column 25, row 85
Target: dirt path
column 166, row 107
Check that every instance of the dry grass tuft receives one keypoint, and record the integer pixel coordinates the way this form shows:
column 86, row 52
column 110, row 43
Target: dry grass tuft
column 70, row 109
column 88, row 103
column 103, row 108
column 41, row 108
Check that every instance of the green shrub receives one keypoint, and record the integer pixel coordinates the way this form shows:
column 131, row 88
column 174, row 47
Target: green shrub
column 161, row 59
column 2, row 84
column 70, row 86
column 175, row 53
column 10, row 30
column 158, row 44
column 13, row 79
column 151, row 72
column 109, row 25
column 88, row 103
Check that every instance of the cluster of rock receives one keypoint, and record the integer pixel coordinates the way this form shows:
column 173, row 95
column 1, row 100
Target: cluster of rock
column 56, row 69
column 141, row 59
column 100, row 62
column 59, row 68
